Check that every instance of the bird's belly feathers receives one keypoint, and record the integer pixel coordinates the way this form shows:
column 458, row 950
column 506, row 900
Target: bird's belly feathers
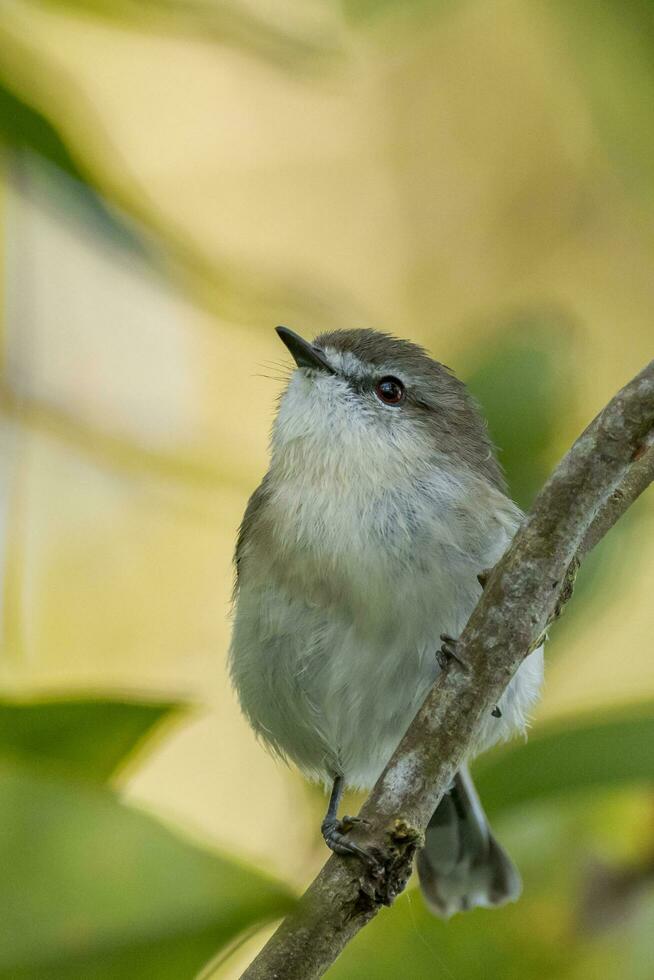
column 335, row 637
column 322, row 689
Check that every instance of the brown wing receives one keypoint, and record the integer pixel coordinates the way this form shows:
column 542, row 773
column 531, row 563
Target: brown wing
column 252, row 513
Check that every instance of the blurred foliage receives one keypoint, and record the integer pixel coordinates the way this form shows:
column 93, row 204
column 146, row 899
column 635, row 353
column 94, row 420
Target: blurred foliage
column 123, row 212
column 366, row 10
column 589, row 753
column 612, row 556
column 23, row 128
column 88, row 738
column 504, row 943
column 224, row 22
column 612, row 44
column 536, row 939
column 524, row 379
column 92, row 888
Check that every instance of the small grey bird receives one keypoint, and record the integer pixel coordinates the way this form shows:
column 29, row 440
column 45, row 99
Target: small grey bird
column 358, row 551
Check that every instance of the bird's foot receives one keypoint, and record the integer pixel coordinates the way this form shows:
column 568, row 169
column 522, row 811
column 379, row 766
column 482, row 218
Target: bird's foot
column 335, row 831
column 449, row 651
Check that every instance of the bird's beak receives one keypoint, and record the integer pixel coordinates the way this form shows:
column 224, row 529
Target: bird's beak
column 304, row 353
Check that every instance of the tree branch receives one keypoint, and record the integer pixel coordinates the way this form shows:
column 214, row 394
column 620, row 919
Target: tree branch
column 609, row 465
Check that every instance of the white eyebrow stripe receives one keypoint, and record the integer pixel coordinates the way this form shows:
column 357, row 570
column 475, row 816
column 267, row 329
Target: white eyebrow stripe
column 351, row 366
column 346, row 362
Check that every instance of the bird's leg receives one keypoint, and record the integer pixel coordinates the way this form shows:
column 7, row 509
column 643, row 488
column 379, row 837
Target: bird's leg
column 334, row 830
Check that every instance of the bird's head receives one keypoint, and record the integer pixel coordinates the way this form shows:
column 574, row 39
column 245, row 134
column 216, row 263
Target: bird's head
column 367, row 397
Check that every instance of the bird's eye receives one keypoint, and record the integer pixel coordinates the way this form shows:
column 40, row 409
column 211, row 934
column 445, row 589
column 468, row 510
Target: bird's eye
column 390, row 391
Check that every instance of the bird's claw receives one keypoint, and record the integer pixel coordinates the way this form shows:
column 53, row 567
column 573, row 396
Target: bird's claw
column 334, row 834
column 449, row 651
column 347, row 823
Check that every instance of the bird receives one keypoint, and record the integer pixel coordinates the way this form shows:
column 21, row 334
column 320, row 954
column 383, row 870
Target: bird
column 359, row 551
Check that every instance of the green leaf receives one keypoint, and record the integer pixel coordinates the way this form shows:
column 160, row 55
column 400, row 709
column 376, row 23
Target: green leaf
column 87, row 738
column 558, row 760
column 24, row 128
column 94, row 890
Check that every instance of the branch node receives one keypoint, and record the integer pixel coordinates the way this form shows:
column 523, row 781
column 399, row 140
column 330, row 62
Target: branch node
column 403, row 833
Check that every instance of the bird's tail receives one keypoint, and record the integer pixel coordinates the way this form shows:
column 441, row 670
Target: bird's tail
column 462, row 865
